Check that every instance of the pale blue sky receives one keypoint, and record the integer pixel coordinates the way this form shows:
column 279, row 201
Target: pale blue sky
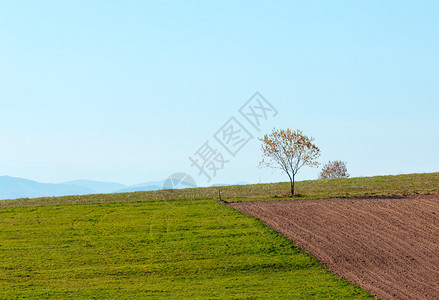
column 127, row 90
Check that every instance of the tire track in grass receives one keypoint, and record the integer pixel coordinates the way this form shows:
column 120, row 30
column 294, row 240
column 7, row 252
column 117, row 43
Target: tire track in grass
column 86, row 237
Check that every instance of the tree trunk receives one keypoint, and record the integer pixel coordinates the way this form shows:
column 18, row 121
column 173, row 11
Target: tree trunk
column 292, row 186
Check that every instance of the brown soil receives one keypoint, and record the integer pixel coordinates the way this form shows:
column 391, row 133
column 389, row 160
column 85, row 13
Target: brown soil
column 389, row 247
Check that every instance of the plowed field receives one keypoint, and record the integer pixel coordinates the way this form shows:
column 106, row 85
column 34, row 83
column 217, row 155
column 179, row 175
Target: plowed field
column 389, row 247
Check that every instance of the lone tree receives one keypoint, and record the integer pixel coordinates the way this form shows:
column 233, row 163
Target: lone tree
column 334, row 169
column 289, row 151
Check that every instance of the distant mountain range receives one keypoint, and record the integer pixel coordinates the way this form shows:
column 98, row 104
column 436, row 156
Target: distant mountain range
column 14, row 188
column 97, row 186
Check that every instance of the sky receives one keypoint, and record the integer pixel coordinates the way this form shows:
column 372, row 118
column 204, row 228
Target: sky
column 128, row 91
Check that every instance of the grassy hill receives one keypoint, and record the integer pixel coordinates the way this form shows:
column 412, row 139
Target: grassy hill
column 397, row 185
column 159, row 249
column 171, row 244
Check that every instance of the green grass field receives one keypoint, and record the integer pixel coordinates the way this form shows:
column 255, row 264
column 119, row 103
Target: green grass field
column 173, row 249
column 171, row 244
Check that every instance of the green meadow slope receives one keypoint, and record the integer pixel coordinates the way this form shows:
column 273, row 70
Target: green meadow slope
column 159, row 249
column 171, row 244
